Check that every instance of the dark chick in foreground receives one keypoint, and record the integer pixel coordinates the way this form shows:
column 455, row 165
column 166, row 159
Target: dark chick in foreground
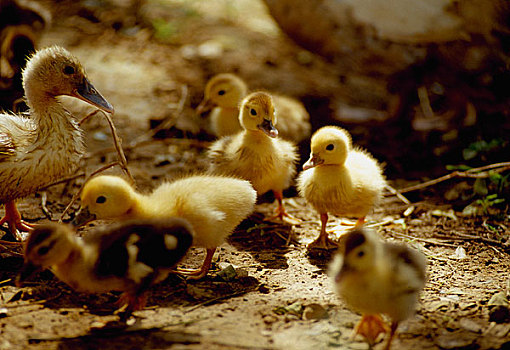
column 377, row 277
column 128, row 257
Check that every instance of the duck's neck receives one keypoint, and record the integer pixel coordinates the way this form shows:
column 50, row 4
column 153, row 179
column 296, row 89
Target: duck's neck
column 256, row 136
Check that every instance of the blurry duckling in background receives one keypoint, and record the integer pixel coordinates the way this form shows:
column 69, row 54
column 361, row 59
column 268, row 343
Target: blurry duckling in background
column 21, row 24
column 339, row 179
column 224, row 93
column 128, row 257
column 213, row 205
column 377, row 277
column 46, row 145
column 255, row 154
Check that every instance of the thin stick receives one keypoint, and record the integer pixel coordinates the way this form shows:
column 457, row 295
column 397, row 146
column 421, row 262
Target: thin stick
column 398, row 194
column 88, row 116
column 471, row 173
column 118, row 147
column 64, row 180
column 44, row 200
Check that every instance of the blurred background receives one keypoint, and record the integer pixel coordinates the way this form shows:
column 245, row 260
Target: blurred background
column 422, row 84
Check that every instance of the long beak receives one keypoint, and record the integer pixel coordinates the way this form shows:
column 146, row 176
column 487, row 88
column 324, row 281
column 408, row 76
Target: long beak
column 268, row 128
column 82, row 217
column 88, row 93
column 312, row 162
column 204, row 106
column 26, row 271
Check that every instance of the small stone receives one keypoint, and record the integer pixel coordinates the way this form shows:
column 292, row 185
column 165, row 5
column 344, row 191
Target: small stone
column 499, row 314
column 315, row 312
column 4, row 312
column 269, row 319
column 454, row 340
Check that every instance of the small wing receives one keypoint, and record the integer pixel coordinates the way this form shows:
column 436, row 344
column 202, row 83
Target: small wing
column 7, row 147
column 136, row 249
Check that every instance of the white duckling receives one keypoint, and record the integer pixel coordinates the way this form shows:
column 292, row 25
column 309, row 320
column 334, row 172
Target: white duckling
column 339, row 179
column 255, row 154
column 224, row 93
column 214, row 206
column 46, row 145
column 377, row 277
column 127, row 257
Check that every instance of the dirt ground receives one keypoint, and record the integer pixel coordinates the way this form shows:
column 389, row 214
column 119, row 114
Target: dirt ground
column 281, row 296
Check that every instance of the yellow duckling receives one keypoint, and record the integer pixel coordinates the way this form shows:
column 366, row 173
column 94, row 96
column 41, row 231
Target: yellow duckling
column 225, row 91
column 340, row 179
column 47, row 145
column 214, row 206
column 377, row 277
column 255, row 154
column 129, row 257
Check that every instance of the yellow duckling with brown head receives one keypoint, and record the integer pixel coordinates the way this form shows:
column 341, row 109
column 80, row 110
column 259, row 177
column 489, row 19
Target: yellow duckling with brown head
column 47, row 145
column 255, row 154
column 339, row 179
column 224, row 93
column 377, row 277
column 213, row 205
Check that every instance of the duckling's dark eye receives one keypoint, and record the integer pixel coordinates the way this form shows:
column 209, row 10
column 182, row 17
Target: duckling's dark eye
column 361, row 253
column 43, row 250
column 221, row 92
column 68, row 70
column 330, row 147
column 101, row 199
column 253, row 112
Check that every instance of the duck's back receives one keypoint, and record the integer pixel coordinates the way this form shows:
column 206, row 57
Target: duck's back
column 214, row 205
column 32, row 157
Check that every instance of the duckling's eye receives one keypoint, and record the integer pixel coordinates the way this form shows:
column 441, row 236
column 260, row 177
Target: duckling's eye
column 43, row 250
column 68, row 70
column 221, row 92
column 253, row 112
column 361, row 253
column 101, row 199
column 330, row 147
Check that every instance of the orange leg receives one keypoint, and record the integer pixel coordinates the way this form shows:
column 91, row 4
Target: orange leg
column 13, row 219
column 360, row 222
column 132, row 302
column 393, row 329
column 196, row 274
column 370, row 326
column 323, row 241
column 281, row 213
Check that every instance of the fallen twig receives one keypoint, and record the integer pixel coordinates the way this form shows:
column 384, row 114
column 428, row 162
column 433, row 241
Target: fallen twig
column 64, row 180
column 480, row 172
column 399, row 195
column 213, row 300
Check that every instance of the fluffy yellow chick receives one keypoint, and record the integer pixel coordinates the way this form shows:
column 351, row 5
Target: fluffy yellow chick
column 339, row 179
column 225, row 92
column 377, row 277
column 47, row 145
column 214, row 206
column 255, row 154
column 127, row 257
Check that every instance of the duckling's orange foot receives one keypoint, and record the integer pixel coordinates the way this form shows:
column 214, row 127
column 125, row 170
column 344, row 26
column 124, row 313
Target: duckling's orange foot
column 282, row 215
column 324, row 243
column 192, row 274
column 370, row 326
column 13, row 219
column 130, row 302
